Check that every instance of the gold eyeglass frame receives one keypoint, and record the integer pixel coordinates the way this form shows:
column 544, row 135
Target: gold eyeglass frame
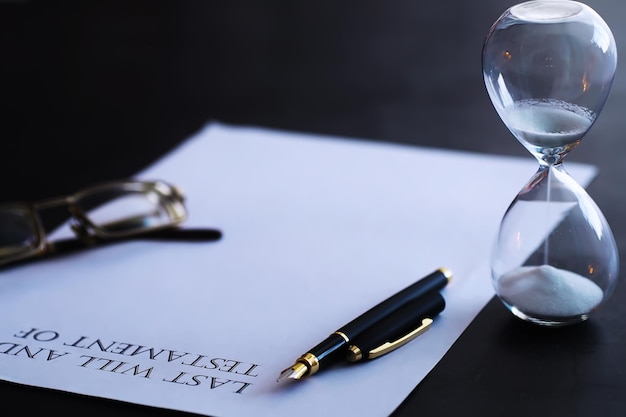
column 170, row 198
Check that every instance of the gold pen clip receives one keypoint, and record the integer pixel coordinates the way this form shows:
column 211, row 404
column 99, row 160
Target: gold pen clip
column 355, row 354
column 389, row 346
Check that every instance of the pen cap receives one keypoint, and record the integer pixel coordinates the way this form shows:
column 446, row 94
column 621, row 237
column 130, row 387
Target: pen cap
column 431, row 283
column 402, row 321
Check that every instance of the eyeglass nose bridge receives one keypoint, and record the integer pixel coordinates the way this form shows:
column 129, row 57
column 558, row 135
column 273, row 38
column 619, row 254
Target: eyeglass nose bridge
column 78, row 222
column 80, row 225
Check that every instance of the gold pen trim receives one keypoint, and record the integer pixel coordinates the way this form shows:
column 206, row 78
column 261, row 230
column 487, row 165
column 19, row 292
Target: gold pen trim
column 446, row 273
column 389, row 346
column 343, row 336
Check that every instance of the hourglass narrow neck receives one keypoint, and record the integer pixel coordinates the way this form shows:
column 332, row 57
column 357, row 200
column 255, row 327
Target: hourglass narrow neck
column 549, row 182
column 550, row 157
column 543, row 172
column 549, row 161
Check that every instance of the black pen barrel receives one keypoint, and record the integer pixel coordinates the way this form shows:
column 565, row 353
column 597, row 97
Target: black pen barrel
column 433, row 282
column 400, row 323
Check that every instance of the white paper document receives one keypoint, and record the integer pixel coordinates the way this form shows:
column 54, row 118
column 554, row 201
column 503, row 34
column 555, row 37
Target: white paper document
column 316, row 230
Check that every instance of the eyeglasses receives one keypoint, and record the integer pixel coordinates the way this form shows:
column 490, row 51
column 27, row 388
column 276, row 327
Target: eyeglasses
column 109, row 211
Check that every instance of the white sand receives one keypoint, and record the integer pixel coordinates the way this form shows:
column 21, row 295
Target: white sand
column 548, row 291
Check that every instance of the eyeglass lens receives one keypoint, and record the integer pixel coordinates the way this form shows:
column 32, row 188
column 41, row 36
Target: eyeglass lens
column 19, row 231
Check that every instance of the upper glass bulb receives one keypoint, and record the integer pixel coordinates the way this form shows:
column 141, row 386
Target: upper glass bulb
column 548, row 66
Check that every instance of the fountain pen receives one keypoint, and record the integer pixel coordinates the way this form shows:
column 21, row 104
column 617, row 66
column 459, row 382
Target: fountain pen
column 386, row 323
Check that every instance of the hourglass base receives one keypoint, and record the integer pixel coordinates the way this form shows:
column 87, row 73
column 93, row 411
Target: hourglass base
column 546, row 321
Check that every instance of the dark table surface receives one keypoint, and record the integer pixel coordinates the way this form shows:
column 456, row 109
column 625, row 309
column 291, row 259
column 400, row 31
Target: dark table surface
column 95, row 90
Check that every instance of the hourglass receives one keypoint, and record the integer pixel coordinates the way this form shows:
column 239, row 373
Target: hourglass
column 548, row 67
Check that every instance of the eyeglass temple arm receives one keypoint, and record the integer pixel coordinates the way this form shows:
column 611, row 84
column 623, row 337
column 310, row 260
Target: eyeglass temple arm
column 67, row 246
column 52, row 203
column 173, row 234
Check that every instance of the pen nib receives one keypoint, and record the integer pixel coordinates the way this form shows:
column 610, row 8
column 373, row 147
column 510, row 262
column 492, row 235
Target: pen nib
column 285, row 374
column 296, row 371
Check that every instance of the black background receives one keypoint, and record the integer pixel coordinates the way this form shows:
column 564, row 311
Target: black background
column 96, row 90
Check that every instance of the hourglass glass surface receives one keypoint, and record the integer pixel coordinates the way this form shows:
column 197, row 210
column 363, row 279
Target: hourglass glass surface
column 548, row 67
